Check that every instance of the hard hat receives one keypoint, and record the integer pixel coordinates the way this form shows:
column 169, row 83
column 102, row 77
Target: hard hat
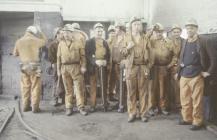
column 32, row 29
column 68, row 28
column 176, row 26
column 133, row 19
column 97, row 25
column 76, row 26
column 127, row 25
column 191, row 22
column 119, row 24
column 158, row 27
column 111, row 28
column 67, row 25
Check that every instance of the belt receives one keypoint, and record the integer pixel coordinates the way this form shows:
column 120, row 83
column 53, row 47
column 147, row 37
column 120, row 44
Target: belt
column 138, row 64
column 116, row 63
column 71, row 63
column 189, row 66
column 30, row 63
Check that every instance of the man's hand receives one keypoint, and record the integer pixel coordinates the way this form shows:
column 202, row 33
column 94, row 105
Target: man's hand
column 130, row 45
column 100, row 63
column 205, row 74
column 176, row 76
column 83, row 70
column 104, row 63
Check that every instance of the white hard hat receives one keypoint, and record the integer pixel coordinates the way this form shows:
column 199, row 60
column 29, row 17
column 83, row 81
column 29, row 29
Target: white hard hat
column 32, row 29
column 127, row 25
column 159, row 27
column 134, row 18
column 176, row 26
column 119, row 24
column 67, row 26
column 76, row 26
column 68, row 29
column 191, row 22
column 98, row 25
column 111, row 28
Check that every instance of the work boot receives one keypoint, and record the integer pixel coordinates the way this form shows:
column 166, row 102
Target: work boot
column 92, row 109
column 165, row 112
column 151, row 112
column 182, row 122
column 83, row 112
column 54, row 102
column 131, row 118
column 68, row 111
column 112, row 98
column 196, row 127
column 121, row 109
column 144, row 119
column 27, row 108
column 36, row 110
column 156, row 111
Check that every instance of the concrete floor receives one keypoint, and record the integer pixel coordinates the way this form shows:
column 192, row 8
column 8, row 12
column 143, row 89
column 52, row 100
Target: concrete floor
column 53, row 124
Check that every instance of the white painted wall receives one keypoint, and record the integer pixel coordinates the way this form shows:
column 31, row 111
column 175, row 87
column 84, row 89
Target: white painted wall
column 80, row 10
column 101, row 10
column 166, row 12
column 30, row 5
column 169, row 12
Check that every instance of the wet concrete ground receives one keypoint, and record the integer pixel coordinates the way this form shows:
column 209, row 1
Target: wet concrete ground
column 53, row 124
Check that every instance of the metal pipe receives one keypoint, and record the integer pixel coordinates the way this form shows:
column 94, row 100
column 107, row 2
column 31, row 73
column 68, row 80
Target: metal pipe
column 35, row 133
column 9, row 116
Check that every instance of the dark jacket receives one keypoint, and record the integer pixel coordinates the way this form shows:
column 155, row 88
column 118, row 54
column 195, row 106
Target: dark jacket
column 52, row 51
column 209, row 54
column 200, row 49
column 90, row 49
column 210, row 57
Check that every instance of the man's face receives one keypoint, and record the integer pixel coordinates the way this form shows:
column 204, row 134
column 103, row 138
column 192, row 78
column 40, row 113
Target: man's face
column 137, row 26
column 176, row 33
column 191, row 30
column 98, row 32
column 159, row 34
column 67, row 35
column 112, row 34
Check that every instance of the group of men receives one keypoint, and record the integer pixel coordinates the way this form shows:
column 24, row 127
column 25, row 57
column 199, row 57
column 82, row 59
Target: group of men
column 154, row 73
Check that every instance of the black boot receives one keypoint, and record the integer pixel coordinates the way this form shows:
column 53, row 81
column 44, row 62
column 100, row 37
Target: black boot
column 68, row 111
column 196, row 127
column 182, row 122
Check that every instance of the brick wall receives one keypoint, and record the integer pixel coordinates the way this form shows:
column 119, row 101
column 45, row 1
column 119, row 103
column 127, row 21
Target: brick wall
column 12, row 27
